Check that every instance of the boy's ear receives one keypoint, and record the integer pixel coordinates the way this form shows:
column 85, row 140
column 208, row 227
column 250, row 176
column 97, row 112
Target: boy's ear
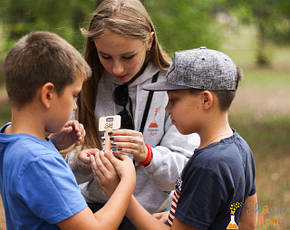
column 207, row 99
column 47, row 94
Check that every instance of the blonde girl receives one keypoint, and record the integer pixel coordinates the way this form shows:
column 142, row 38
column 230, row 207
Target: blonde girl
column 124, row 54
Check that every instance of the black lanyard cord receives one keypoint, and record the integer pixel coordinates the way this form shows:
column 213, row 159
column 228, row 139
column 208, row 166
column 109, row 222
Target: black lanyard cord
column 148, row 103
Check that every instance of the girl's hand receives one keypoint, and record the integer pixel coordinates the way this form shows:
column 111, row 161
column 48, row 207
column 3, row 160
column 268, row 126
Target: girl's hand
column 72, row 132
column 129, row 141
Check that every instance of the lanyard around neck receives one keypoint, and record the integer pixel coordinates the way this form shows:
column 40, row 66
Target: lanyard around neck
column 148, row 103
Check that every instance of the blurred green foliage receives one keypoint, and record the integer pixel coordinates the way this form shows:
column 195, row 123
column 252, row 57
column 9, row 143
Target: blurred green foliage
column 185, row 24
column 62, row 17
column 180, row 24
column 5, row 112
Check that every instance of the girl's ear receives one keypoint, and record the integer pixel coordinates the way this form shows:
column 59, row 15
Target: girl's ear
column 47, row 94
column 207, row 99
column 151, row 38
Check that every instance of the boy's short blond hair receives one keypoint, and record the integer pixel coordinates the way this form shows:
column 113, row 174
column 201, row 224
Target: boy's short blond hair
column 37, row 58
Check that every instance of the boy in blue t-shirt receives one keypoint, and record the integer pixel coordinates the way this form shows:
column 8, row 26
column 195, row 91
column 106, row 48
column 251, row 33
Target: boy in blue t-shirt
column 44, row 75
column 216, row 189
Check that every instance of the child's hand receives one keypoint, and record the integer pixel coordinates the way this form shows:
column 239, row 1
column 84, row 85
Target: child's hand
column 109, row 170
column 72, row 132
column 84, row 160
column 123, row 165
column 162, row 216
column 104, row 173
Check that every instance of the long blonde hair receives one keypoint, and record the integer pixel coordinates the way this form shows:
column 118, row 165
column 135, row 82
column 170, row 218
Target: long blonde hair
column 128, row 18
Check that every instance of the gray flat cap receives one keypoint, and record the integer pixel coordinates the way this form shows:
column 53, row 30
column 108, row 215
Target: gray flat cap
column 200, row 68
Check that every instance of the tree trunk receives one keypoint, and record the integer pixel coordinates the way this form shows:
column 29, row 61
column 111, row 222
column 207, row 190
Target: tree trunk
column 262, row 59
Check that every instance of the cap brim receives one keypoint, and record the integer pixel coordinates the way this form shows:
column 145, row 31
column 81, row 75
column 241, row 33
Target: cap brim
column 163, row 86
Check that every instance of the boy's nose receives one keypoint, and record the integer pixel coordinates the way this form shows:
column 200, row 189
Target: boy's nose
column 167, row 108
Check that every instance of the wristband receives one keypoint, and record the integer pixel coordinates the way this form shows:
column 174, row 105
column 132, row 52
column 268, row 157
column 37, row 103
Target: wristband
column 148, row 158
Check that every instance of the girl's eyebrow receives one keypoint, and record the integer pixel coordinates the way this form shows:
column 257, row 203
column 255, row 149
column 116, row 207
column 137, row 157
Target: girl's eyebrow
column 103, row 53
column 132, row 52
column 123, row 54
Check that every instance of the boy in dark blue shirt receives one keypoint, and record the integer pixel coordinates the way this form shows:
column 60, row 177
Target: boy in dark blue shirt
column 216, row 189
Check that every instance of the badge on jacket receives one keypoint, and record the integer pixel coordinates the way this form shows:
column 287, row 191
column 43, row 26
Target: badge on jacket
column 153, row 126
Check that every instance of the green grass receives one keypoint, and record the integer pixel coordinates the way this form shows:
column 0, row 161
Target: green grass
column 269, row 140
column 266, row 77
column 264, row 134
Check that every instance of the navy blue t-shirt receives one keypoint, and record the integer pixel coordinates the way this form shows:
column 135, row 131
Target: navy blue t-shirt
column 216, row 178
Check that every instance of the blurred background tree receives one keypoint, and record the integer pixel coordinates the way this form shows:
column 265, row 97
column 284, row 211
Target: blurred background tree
column 180, row 24
column 185, row 24
column 62, row 17
column 270, row 18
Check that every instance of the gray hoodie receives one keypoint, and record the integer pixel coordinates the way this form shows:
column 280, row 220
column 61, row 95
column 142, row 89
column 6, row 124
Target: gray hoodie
column 171, row 150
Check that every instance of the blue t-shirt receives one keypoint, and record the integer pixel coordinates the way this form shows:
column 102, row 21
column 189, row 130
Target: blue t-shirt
column 216, row 180
column 37, row 186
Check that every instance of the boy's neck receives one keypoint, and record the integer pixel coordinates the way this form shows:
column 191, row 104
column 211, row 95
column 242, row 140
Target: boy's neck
column 214, row 131
column 26, row 121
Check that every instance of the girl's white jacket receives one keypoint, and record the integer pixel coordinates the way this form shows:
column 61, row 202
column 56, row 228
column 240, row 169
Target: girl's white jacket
column 171, row 150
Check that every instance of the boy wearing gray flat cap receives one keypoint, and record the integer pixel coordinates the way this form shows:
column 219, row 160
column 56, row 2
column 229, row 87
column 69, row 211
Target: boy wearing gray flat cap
column 217, row 188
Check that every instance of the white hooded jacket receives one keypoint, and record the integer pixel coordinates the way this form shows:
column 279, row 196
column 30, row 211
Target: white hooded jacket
column 171, row 150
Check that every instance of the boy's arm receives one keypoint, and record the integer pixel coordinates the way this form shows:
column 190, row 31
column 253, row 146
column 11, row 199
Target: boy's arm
column 143, row 220
column 111, row 215
column 249, row 214
column 104, row 169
